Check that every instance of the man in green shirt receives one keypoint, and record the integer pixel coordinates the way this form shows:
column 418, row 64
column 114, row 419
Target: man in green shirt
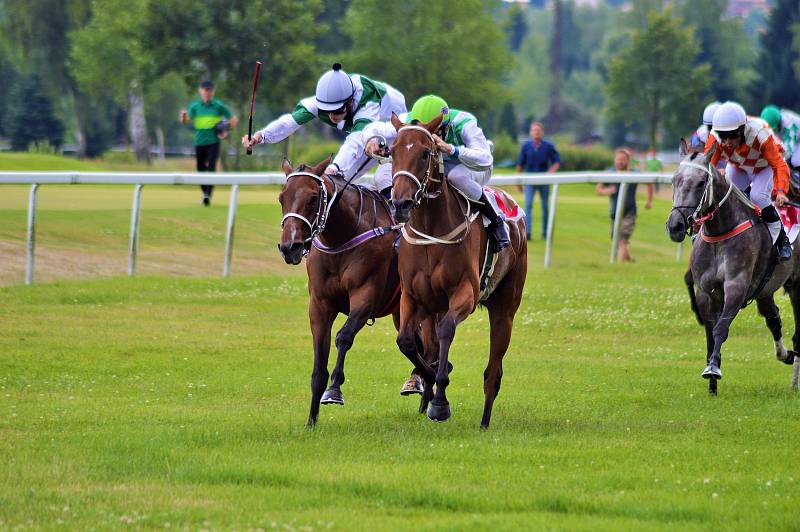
column 211, row 120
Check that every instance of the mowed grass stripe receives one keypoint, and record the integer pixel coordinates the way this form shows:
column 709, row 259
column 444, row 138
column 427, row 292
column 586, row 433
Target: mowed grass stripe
column 182, row 401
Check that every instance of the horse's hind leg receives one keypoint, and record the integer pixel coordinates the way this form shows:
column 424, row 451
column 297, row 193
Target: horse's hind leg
column 793, row 287
column 772, row 315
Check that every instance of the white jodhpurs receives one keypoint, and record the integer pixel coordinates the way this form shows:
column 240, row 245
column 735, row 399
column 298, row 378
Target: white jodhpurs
column 468, row 181
column 760, row 183
column 383, row 176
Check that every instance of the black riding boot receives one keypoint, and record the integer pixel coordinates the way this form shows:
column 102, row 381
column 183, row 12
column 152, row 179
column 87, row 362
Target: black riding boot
column 773, row 220
column 497, row 224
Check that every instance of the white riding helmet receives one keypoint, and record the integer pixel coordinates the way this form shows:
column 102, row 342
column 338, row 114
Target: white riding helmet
column 334, row 88
column 728, row 117
column 708, row 113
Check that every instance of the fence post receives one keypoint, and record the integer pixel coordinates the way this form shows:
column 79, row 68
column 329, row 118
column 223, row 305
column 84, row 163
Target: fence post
column 551, row 219
column 622, row 188
column 226, row 269
column 31, row 244
column 679, row 255
column 134, row 241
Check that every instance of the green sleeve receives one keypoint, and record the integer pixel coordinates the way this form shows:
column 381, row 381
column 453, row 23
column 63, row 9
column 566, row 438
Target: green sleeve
column 302, row 115
column 360, row 124
column 192, row 111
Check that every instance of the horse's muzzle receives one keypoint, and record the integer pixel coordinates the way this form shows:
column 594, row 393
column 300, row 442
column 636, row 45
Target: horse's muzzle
column 292, row 253
column 402, row 210
column 676, row 226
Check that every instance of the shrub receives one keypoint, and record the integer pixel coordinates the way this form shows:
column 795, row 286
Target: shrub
column 578, row 158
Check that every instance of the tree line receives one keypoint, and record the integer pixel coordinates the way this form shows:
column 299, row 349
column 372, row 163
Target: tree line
column 99, row 72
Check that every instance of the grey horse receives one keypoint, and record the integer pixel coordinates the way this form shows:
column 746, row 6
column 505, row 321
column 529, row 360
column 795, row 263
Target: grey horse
column 730, row 260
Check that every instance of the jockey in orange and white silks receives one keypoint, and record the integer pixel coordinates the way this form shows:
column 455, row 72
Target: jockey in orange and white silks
column 755, row 159
column 467, row 154
column 348, row 103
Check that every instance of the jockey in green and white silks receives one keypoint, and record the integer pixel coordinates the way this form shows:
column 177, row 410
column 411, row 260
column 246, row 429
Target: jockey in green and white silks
column 467, row 154
column 349, row 103
column 787, row 124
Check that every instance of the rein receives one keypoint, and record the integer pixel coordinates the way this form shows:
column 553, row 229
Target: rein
column 323, row 209
column 697, row 219
column 422, row 192
column 326, row 205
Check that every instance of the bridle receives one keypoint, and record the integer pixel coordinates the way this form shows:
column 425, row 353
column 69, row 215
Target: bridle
column 455, row 236
column 324, row 207
column 707, row 205
column 433, row 153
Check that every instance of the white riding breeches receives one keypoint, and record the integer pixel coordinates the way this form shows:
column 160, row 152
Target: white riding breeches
column 383, row 176
column 468, row 181
column 760, row 183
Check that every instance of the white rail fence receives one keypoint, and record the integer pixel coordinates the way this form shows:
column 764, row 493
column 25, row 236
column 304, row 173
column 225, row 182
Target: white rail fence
column 235, row 180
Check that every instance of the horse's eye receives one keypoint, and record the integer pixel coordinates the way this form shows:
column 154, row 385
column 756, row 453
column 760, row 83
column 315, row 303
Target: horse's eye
column 425, row 154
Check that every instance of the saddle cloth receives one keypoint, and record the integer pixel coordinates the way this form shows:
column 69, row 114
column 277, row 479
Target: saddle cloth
column 789, row 217
column 502, row 203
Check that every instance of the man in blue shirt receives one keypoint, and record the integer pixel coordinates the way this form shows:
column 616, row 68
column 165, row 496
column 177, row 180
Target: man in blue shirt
column 537, row 155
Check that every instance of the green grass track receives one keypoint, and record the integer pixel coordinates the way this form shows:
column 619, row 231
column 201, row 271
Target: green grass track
column 177, row 399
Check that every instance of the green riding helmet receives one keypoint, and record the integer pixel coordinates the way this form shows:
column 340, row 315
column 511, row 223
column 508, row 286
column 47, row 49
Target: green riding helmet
column 429, row 107
column 772, row 116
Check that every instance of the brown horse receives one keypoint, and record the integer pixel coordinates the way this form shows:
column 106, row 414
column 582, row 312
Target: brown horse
column 346, row 232
column 440, row 275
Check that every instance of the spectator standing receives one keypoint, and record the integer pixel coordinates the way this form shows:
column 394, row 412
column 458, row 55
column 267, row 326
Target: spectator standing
column 622, row 161
column 537, row 155
column 211, row 120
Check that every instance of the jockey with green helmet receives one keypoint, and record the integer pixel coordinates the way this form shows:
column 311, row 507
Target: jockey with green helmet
column 467, row 154
column 786, row 124
column 348, row 103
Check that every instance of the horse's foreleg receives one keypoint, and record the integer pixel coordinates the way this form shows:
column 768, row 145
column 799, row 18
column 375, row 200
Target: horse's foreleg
column 772, row 316
column 708, row 308
column 735, row 292
column 461, row 303
column 430, row 347
column 410, row 319
column 688, row 279
column 360, row 310
column 321, row 317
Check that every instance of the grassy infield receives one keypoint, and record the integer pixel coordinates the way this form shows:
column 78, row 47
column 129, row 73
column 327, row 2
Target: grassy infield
column 169, row 401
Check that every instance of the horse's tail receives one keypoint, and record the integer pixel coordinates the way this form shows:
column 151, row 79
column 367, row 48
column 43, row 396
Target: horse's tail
column 689, row 280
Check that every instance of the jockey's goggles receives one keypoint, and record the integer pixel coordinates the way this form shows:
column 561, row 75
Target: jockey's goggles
column 728, row 135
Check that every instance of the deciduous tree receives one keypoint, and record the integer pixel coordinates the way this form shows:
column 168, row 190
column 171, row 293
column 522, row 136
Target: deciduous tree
column 655, row 79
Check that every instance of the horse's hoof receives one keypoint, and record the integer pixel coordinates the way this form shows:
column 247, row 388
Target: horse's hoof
column 439, row 412
column 712, row 372
column 789, row 360
column 332, row 396
column 413, row 385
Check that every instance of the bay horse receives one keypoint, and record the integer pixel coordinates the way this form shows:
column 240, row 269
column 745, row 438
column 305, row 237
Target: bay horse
column 731, row 260
column 346, row 231
column 440, row 275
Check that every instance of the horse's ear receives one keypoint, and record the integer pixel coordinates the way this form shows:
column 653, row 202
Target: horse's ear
column 396, row 122
column 286, row 166
column 683, row 148
column 434, row 124
column 320, row 168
